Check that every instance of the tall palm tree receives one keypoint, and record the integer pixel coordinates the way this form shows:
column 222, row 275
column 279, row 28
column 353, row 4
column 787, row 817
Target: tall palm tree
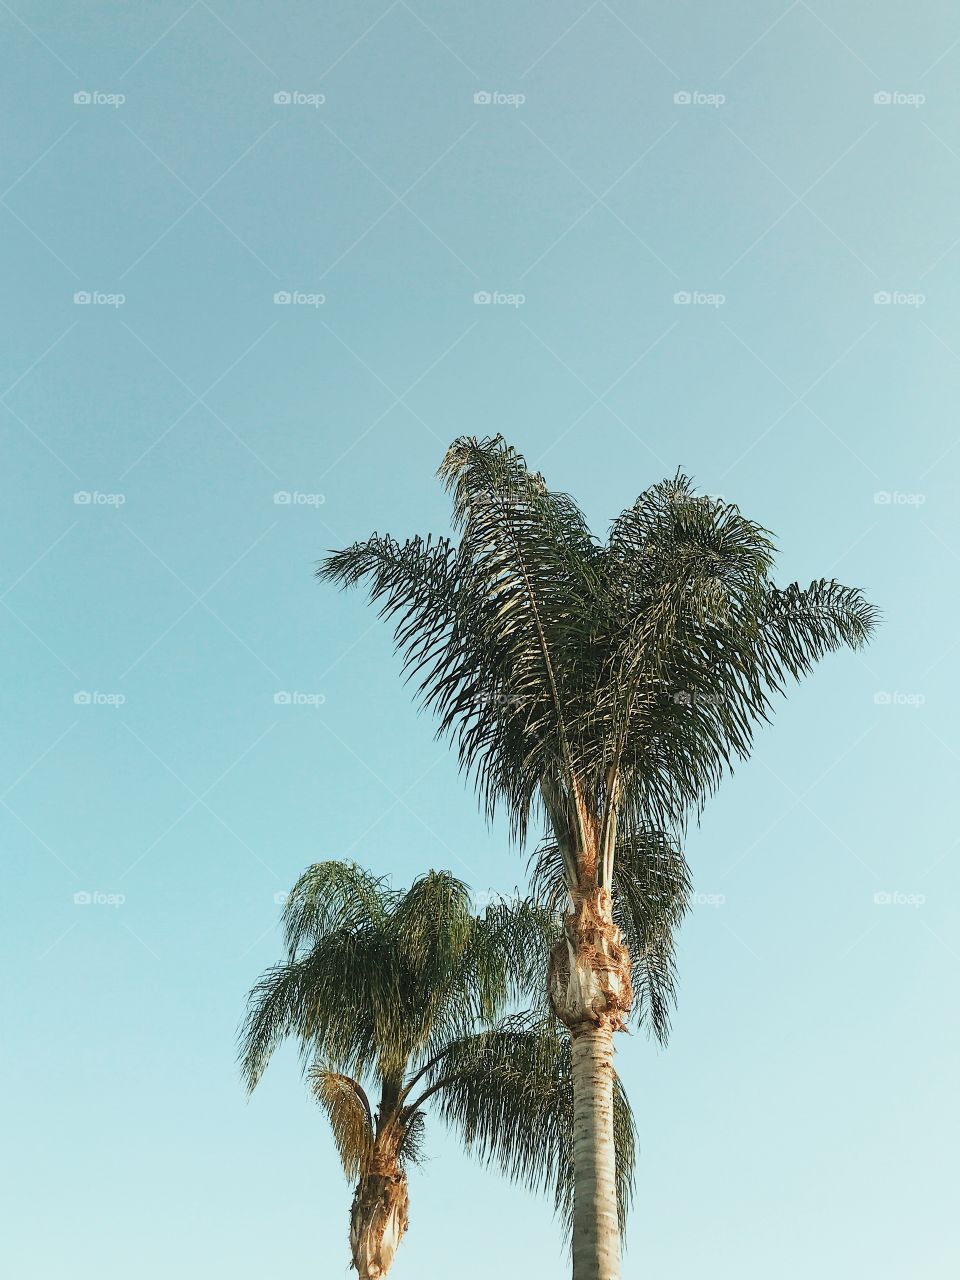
column 603, row 688
column 399, row 1001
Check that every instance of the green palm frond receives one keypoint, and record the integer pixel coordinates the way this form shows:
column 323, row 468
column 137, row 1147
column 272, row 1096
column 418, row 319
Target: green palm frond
column 331, row 896
column 380, row 978
column 607, row 683
column 508, row 1093
column 488, row 627
column 799, row 626
column 351, row 1122
column 432, row 923
column 413, row 1142
column 417, row 584
column 712, row 641
column 337, row 1001
column 456, row 969
column 531, row 564
column 270, row 1018
column 515, row 938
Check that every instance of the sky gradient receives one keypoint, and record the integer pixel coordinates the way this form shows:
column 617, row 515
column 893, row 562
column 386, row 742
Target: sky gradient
column 722, row 238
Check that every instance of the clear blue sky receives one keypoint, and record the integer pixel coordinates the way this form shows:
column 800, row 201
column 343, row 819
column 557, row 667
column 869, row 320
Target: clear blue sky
column 798, row 1122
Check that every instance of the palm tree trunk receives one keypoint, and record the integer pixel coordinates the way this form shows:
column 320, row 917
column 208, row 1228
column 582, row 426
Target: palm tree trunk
column 596, row 1227
column 378, row 1220
column 589, row 984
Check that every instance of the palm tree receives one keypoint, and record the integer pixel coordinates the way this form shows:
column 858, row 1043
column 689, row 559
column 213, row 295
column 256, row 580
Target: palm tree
column 603, row 688
column 401, row 999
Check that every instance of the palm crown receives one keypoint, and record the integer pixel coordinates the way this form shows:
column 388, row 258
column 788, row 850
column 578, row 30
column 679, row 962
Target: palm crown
column 611, row 681
column 604, row 685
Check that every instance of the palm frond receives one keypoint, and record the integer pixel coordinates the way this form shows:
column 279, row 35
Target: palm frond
column 382, row 978
column 351, row 1121
column 269, row 1019
column 418, row 584
column 413, row 1143
column 531, row 555
column 338, row 1001
column 331, row 896
column 431, row 923
column 508, row 1093
column 707, row 640
column 490, row 627
column 608, row 686
column 456, row 969
column 800, row 625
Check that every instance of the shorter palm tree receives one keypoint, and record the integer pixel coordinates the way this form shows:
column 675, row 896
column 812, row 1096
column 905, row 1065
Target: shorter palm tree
column 405, row 998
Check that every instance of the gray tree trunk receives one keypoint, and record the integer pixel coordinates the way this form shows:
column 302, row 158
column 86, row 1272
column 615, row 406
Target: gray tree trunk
column 596, row 1228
